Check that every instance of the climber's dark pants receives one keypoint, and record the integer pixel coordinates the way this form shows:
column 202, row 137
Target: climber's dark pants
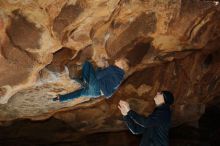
column 91, row 88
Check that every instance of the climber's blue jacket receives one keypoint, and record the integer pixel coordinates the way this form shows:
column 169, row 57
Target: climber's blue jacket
column 109, row 79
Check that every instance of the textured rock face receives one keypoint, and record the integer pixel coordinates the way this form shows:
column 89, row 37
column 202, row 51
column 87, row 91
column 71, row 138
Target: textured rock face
column 171, row 45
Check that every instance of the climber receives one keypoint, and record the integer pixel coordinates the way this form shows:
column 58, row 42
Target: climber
column 95, row 83
column 155, row 127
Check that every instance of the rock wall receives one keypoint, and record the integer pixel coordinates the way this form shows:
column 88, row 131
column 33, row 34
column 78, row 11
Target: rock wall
column 170, row 45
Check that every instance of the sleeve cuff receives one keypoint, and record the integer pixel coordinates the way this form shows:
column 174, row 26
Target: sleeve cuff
column 125, row 118
column 131, row 113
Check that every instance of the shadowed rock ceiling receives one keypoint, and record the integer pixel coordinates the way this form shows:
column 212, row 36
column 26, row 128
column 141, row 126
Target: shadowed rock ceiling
column 171, row 45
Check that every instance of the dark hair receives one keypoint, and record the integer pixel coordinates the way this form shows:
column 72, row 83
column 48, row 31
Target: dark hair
column 168, row 97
